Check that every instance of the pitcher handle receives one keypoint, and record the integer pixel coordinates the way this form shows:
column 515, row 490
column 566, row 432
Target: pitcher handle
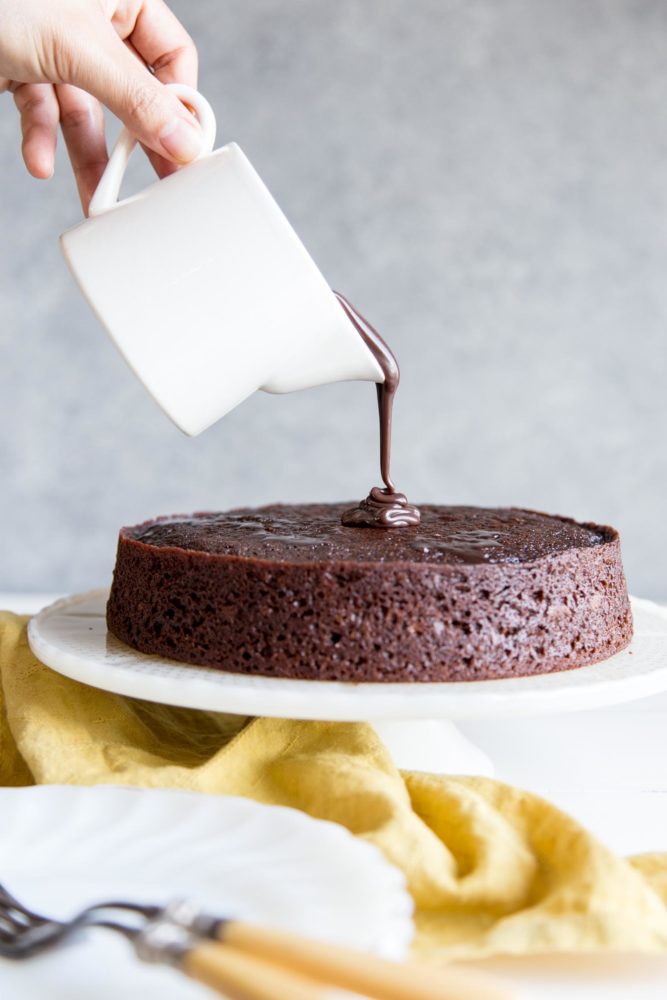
column 106, row 193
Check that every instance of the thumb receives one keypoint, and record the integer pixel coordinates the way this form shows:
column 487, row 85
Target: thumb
column 150, row 110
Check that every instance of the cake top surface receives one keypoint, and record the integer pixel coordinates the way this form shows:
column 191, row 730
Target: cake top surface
column 313, row 533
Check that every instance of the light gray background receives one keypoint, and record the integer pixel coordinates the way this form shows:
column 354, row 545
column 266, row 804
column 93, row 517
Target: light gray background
column 485, row 179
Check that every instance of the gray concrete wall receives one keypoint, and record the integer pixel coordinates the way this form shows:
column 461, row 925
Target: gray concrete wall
column 485, row 179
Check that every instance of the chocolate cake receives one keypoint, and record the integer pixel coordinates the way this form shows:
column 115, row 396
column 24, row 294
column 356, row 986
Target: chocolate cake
column 288, row 591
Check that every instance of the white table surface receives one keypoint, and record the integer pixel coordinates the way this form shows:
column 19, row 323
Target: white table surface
column 607, row 768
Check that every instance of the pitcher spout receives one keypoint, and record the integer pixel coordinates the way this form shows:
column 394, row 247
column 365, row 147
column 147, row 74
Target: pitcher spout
column 336, row 352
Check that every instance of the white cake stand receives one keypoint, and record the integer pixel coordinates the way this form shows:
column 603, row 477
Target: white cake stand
column 414, row 720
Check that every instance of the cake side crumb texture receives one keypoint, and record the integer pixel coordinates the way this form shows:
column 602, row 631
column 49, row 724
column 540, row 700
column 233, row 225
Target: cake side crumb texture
column 287, row 591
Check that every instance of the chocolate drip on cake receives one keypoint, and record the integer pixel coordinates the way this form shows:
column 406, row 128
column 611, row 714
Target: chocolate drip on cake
column 381, row 508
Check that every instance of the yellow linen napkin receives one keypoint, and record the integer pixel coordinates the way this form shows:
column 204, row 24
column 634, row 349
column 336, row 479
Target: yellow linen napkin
column 492, row 869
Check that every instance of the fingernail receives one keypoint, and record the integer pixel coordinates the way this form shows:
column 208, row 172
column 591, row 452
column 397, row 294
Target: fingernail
column 181, row 140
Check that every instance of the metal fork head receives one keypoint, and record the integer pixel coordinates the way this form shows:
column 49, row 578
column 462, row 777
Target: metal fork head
column 24, row 933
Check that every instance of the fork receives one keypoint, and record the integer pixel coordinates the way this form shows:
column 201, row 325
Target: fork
column 158, row 939
column 244, row 961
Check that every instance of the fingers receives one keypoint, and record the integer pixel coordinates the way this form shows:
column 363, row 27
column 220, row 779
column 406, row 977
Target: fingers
column 110, row 72
column 159, row 38
column 93, row 58
column 164, row 44
column 82, row 124
column 161, row 166
column 39, row 112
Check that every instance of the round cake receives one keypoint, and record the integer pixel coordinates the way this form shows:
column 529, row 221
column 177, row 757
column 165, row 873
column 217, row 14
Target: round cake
column 288, row 591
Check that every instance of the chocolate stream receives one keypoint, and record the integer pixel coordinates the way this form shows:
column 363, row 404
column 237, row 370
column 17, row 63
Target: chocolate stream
column 386, row 391
column 382, row 508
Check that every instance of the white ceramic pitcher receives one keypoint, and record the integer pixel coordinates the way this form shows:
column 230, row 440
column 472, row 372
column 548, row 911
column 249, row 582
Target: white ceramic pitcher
column 206, row 289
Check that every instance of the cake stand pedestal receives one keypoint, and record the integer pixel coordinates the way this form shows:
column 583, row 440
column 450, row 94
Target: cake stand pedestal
column 433, row 745
column 416, row 721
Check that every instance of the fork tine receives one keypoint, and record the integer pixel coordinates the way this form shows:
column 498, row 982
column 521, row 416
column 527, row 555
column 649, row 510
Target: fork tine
column 13, row 926
column 150, row 911
column 6, row 896
column 13, row 920
column 12, row 923
column 22, row 932
column 9, row 901
column 32, row 940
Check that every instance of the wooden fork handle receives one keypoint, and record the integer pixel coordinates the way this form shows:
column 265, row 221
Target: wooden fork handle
column 241, row 976
column 359, row 972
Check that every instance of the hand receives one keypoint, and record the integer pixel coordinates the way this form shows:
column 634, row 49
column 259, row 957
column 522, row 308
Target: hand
column 61, row 59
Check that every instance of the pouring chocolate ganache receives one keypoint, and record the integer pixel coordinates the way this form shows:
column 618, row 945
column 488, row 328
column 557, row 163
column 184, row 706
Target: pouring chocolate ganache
column 382, row 508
